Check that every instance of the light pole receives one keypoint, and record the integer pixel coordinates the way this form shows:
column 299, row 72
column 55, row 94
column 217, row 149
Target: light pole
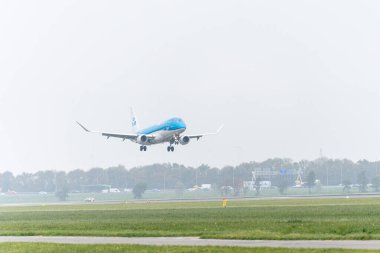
column 233, row 177
column 164, row 181
column 196, row 176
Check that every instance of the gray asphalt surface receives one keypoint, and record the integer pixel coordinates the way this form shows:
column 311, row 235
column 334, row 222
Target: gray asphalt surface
column 101, row 202
column 194, row 241
column 330, row 196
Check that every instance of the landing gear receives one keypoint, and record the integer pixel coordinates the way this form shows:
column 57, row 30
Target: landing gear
column 173, row 141
column 142, row 148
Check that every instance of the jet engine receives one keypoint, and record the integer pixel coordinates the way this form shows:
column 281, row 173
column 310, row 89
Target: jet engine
column 142, row 139
column 184, row 140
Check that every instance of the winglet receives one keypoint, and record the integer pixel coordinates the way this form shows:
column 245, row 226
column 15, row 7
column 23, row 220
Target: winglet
column 85, row 129
column 220, row 128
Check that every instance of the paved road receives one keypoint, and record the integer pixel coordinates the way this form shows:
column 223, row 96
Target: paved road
column 194, row 241
column 329, row 196
column 102, row 202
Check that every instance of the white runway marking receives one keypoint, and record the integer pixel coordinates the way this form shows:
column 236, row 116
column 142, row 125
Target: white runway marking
column 194, row 241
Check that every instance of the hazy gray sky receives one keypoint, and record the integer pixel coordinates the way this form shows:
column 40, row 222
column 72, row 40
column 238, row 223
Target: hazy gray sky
column 286, row 77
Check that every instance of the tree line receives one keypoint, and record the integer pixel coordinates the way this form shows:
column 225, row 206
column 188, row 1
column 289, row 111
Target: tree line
column 283, row 172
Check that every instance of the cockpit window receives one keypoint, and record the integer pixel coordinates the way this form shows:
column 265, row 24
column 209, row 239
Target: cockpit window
column 175, row 120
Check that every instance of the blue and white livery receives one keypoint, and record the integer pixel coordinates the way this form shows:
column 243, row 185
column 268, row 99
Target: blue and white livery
column 169, row 131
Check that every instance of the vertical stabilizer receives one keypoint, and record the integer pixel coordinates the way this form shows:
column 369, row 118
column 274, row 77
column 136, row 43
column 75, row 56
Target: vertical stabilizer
column 135, row 125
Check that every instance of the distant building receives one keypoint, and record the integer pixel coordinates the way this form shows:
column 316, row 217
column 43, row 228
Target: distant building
column 206, row 186
column 95, row 188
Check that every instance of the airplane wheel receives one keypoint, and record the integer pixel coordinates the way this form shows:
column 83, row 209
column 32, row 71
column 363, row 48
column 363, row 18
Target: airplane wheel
column 172, row 149
column 169, row 148
column 141, row 148
column 144, row 148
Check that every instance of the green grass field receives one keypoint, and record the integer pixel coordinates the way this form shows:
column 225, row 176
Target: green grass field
column 259, row 219
column 62, row 248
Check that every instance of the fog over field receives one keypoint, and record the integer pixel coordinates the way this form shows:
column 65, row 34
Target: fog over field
column 285, row 77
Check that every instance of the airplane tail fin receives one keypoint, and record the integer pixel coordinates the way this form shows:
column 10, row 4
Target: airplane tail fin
column 135, row 125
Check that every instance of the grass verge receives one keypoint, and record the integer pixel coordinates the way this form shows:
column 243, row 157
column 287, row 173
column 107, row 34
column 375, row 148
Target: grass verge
column 65, row 248
column 275, row 219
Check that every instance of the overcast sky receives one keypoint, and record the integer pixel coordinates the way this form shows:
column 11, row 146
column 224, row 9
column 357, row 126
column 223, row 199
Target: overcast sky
column 285, row 77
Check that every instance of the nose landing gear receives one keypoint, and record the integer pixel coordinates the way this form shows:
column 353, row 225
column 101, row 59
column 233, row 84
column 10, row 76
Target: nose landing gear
column 142, row 148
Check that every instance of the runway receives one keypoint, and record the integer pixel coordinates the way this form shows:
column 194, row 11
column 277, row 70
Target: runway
column 194, row 241
column 105, row 202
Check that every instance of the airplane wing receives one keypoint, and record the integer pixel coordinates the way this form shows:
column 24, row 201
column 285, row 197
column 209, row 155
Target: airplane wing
column 115, row 135
column 198, row 136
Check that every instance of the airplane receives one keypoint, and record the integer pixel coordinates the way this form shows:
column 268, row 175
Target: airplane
column 169, row 131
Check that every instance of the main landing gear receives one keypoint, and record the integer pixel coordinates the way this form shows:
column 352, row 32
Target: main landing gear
column 170, row 148
column 142, row 148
